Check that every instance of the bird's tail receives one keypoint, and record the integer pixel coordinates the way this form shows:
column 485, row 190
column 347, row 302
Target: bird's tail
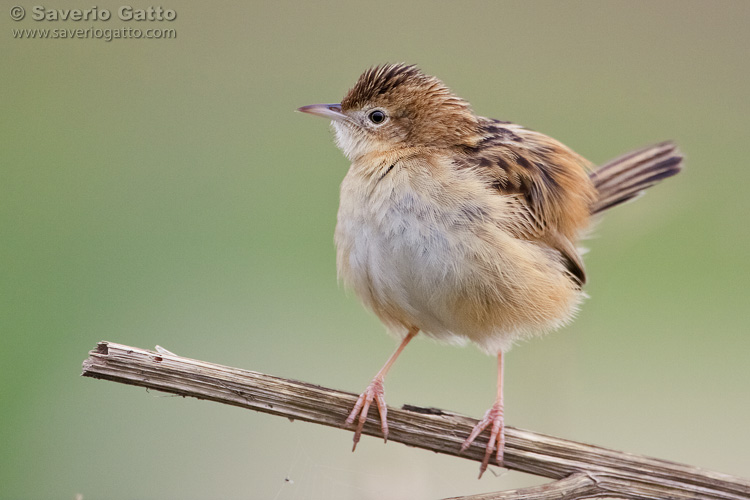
column 626, row 177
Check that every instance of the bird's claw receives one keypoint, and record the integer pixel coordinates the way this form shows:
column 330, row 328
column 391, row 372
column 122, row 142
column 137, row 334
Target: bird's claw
column 495, row 417
column 362, row 406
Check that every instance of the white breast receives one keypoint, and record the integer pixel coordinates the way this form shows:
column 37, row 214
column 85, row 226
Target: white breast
column 420, row 255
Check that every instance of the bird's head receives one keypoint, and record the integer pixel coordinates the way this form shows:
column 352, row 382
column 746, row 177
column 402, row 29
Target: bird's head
column 396, row 106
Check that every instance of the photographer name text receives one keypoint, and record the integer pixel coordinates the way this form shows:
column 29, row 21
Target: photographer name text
column 124, row 13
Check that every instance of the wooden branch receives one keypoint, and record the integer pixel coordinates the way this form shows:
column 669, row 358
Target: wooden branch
column 582, row 470
column 578, row 485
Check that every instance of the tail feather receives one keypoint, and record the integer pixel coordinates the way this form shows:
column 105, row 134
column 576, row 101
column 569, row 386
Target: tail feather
column 626, row 177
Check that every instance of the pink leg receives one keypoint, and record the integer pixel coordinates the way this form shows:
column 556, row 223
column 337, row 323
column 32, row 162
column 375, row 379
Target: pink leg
column 375, row 391
column 494, row 416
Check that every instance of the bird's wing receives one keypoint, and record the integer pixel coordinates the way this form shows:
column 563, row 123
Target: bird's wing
column 547, row 182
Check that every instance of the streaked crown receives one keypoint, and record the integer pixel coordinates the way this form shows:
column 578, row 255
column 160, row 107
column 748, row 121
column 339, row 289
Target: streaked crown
column 420, row 108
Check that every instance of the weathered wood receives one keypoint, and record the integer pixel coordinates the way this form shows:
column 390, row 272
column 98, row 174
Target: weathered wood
column 578, row 485
column 583, row 471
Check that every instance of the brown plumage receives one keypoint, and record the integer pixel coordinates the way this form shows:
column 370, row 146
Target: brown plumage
column 464, row 227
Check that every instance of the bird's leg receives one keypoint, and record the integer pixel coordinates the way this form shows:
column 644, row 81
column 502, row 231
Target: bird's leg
column 375, row 391
column 493, row 416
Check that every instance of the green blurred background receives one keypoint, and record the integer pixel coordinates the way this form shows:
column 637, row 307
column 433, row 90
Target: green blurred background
column 165, row 192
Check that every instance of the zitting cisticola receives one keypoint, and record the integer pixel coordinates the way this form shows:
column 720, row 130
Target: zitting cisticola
column 464, row 227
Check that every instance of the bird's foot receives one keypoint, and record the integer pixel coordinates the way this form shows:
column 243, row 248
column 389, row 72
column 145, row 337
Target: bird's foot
column 493, row 416
column 374, row 391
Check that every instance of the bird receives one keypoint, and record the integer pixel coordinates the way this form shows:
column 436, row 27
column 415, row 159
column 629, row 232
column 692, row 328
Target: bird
column 465, row 228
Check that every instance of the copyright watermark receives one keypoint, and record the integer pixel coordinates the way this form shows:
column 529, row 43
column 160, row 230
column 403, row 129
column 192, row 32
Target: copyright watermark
column 123, row 13
column 17, row 13
column 134, row 23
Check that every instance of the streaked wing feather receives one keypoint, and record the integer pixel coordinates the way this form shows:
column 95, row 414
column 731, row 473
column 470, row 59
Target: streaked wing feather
column 547, row 183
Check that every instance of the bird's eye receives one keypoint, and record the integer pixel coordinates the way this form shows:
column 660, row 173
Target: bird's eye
column 377, row 117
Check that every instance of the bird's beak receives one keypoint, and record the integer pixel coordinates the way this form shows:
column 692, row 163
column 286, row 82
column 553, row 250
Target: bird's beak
column 330, row 111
